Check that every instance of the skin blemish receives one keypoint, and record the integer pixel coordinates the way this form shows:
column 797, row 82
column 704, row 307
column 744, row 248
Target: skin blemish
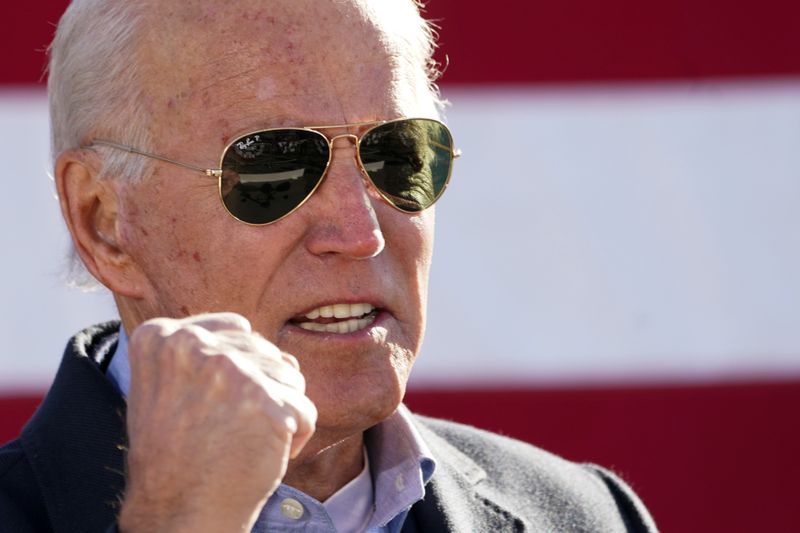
column 173, row 219
column 266, row 89
column 171, row 103
column 211, row 13
column 185, row 310
column 224, row 126
column 196, row 256
column 255, row 15
column 145, row 232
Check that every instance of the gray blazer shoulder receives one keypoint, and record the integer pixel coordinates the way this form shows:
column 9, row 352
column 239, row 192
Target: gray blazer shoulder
column 487, row 482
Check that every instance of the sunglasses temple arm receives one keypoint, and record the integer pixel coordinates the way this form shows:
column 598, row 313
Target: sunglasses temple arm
column 455, row 151
column 211, row 172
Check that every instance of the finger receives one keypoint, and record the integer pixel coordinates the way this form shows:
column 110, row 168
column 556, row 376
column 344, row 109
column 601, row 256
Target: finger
column 264, row 356
column 276, row 364
column 218, row 321
column 304, row 414
column 165, row 346
column 292, row 360
column 147, row 339
column 151, row 334
column 284, row 373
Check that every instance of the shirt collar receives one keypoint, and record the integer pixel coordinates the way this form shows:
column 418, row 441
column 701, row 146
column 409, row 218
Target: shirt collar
column 351, row 507
column 119, row 369
column 403, row 465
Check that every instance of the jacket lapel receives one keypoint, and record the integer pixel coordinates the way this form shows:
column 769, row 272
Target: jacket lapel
column 459, row 498
column 75, row 441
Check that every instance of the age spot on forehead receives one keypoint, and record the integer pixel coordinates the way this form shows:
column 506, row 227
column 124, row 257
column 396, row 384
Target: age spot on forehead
column 258, row 14
column 172, row 101
column 267, row 88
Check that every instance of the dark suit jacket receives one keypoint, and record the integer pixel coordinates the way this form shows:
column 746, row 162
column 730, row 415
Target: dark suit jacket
column 65, row 473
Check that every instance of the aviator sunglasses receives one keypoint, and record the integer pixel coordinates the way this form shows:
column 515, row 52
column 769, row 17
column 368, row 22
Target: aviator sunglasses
column 267, row 174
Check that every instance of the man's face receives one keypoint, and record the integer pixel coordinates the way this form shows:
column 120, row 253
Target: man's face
column 215, row 73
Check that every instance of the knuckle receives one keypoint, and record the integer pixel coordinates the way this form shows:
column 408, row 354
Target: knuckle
column 152, row 329
column 225, row 375
column 184, row 336
column 220, row 320
column 310, row 411
column 238, row 320
column 220, row 367
column 284, row 424
column 255, row 398
column 292, row 360
column 298, row 379
column 263, row 347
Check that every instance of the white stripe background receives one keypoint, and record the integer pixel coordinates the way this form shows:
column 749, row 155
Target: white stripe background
column 592, row 233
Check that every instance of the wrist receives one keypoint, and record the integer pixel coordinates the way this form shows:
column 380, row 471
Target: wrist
column 148, row 515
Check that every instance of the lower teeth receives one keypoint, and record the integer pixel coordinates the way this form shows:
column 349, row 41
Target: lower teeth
column 343, row 326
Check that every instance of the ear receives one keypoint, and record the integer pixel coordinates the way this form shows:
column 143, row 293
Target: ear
column 90, row 207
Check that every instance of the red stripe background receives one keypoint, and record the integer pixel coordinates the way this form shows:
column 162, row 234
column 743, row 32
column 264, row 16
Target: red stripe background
column 518, row 41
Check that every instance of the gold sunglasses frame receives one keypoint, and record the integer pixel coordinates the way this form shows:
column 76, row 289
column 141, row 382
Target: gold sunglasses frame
column 217, row 172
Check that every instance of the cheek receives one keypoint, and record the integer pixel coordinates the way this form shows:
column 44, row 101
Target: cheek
column 411, row 242
column 155, row 236
column 160, row 234
column 418, row 245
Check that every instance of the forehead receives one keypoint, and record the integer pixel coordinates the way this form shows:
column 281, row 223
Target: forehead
column 257, row 63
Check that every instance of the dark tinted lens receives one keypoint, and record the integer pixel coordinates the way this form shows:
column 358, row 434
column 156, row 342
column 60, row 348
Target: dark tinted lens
column 266, row 175
column 409, row 161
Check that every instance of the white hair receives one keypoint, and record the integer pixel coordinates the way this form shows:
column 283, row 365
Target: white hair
column 426, row 45
column 96, row 89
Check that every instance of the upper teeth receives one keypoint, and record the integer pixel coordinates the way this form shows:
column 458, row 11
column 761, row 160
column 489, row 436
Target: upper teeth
column 340, row 311
column 350, row 313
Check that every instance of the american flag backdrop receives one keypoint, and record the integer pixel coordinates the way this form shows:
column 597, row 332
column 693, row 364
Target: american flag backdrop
column 617, row 272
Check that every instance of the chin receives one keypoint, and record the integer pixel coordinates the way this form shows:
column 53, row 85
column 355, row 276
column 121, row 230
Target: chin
column 354, row 404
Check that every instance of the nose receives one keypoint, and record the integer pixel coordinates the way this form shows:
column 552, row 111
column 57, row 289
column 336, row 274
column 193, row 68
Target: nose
column 343, row 217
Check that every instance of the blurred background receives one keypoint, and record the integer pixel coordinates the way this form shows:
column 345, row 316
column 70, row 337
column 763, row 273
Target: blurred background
column 617, row 274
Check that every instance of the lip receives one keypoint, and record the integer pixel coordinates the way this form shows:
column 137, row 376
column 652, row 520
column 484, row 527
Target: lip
column 383, row 315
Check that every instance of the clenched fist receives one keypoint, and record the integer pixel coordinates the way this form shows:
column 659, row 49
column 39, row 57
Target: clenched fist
column 215, row 411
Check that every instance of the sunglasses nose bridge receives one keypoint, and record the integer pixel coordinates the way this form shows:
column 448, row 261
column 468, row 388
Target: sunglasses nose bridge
column 355, row 140
column 350, row 136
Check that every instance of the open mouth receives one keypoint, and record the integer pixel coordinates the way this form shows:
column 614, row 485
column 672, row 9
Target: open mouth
column 337, row 318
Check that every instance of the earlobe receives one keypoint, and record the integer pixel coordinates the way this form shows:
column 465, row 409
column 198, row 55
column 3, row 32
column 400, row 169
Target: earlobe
column 90, row 207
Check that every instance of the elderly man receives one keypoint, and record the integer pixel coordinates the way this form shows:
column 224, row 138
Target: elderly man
column 254, row 180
